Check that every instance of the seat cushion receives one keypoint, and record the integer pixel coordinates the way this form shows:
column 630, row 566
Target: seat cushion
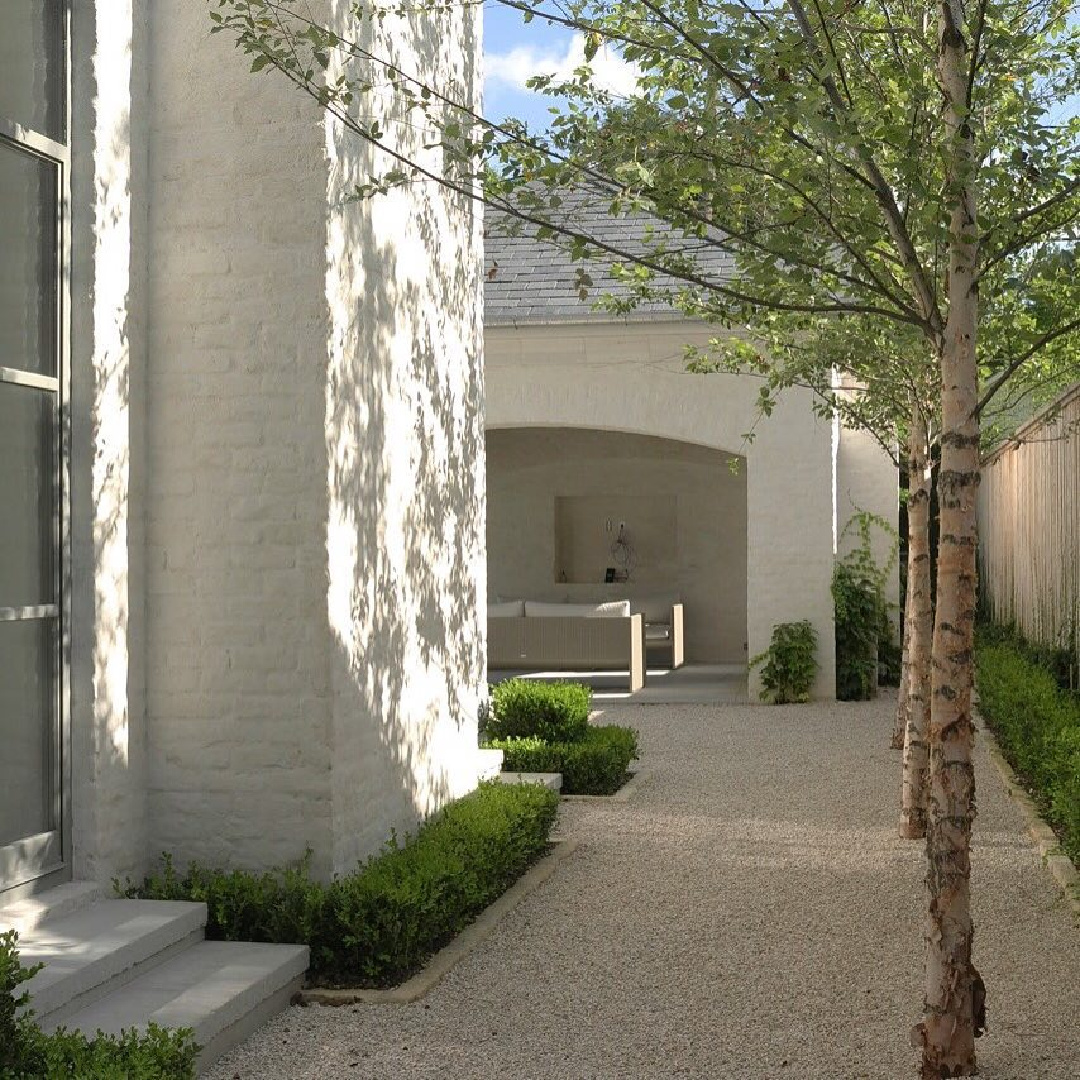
column 657, row 631
column 506, row 609
column 541, row 609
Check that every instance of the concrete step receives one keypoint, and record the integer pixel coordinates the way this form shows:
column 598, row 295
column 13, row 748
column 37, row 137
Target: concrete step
column 92, row 951
column 223, row 990
column 550, row 780
column 30, row 912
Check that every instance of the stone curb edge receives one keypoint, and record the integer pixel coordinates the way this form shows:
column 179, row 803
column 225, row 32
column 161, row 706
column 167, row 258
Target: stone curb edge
column 624, row 794
column 1059, row 864
column 424, row 981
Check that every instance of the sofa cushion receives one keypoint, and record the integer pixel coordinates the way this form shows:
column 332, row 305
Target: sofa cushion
column 540, row 609
column 657, row 631
column 506, row 609
column 656, row 609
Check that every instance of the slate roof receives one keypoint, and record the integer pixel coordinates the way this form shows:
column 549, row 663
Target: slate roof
column 530, row 281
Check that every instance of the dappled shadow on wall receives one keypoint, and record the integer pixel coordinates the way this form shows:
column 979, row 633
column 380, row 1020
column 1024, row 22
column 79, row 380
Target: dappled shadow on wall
column 404, row 441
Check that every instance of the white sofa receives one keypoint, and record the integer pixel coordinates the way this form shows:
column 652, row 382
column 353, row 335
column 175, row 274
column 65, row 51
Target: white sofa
column 536, row 634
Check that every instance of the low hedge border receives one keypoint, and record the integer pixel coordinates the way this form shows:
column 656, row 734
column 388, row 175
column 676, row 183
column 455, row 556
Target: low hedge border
column 1037, row 726
column 1061, row 867
column 376, row 926
column 27, row 1053
column 597, row 764
column 425, row 980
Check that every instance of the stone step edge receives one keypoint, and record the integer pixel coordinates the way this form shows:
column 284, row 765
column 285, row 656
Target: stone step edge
column 123, row 964
column 26, row 914
column 221, row 1017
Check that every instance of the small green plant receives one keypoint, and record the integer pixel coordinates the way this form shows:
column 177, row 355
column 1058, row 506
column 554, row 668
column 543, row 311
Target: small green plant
column 16, row 1023
column 27, row 1052
column 377, row 925
column 595, row 765
column 554, row 712
column 789, row 664
column 865, row 642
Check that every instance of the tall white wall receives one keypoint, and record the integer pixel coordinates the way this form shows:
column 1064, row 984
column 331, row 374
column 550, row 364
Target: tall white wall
column 403, row 463
column 867, row 481
column 108, row 355
column 631, row 378
column 277, row 565
column 705, row 558
column 314, row 531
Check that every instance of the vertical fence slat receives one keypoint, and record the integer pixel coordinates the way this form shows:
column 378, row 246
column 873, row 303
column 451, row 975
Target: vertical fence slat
column 1029, row 527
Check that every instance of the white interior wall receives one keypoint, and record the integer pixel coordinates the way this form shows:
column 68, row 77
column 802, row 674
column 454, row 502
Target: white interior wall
column 612, row 473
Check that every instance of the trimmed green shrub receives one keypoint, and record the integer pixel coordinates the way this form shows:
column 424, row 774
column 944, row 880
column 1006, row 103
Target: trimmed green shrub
column 554, row 712
column 1059, row 660
column 376, row 926
column 594, row 765
column 789, row 664
column 27, row 1052
column 1038, row 727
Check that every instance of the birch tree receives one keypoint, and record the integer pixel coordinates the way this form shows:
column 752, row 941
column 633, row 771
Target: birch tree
column 860, row 160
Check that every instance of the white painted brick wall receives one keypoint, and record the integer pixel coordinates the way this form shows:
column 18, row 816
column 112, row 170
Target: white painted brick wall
column 867, row 481
column 109, row 206
column 314, row 534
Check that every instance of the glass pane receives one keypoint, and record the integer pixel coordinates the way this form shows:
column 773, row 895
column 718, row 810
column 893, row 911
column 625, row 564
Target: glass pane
column 28, row 265
column 28, row 526
column 32, row 62
column 27, row 728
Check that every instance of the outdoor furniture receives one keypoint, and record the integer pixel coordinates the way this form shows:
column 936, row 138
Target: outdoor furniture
column 663, row 617
column 570, row 637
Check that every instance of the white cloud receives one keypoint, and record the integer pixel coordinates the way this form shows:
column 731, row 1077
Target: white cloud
column 610, row 71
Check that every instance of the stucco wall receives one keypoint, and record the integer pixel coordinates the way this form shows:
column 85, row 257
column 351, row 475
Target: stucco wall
column 705, row 557
column 632, row 379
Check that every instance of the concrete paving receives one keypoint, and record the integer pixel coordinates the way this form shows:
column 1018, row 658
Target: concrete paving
column 749, row 913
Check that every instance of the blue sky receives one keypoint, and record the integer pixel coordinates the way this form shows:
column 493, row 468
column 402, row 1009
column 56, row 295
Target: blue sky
column 515, row 51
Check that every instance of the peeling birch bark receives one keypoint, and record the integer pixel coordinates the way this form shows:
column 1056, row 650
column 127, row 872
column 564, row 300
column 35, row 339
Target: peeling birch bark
column 920, row 612
column 896, row 742
column 946, row 1035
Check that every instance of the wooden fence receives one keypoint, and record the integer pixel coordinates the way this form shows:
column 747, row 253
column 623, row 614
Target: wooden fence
column 1029, row 526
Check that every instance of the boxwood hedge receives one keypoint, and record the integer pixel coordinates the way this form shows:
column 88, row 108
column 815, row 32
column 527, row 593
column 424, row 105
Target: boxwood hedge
column 1037, row 724
column 377, row 925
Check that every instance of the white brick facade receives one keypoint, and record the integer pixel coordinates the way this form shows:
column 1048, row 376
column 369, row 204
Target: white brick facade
column 279, row 468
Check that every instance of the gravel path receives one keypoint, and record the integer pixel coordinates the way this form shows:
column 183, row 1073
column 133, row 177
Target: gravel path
column 748, row 914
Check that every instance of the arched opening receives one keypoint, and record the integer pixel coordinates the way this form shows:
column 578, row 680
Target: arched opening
column 581, row 514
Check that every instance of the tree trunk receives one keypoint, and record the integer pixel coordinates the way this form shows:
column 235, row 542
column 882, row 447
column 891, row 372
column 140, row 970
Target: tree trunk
column 921, row 615
column 896, row 742
column 946, row 1035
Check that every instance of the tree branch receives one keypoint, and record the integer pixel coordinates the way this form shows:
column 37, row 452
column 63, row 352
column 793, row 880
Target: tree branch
column 1022, row 359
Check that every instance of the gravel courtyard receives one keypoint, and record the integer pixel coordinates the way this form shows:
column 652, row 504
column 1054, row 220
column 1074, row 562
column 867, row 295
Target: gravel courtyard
column 749, row 913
